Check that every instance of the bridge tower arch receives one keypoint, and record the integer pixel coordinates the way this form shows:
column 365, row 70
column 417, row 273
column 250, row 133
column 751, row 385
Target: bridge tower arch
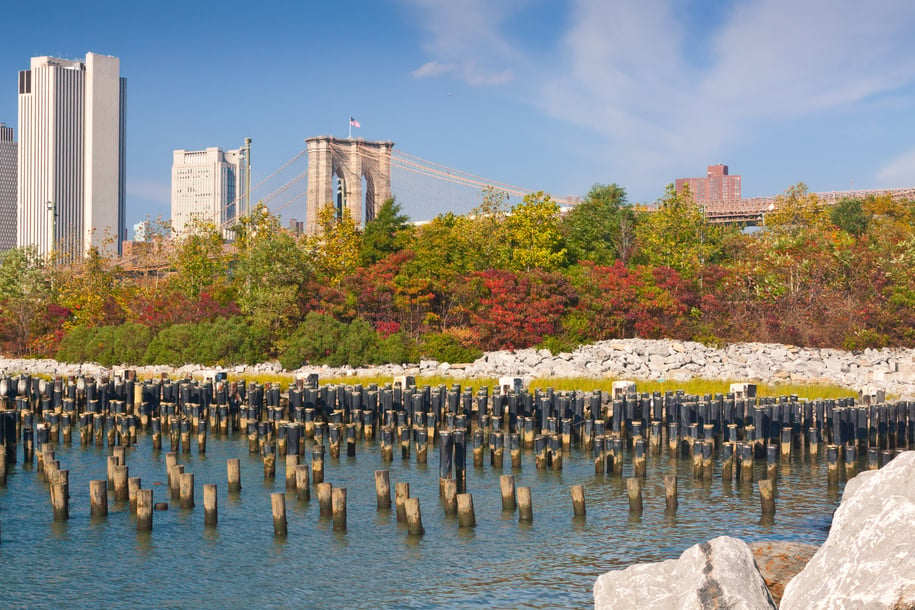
column 349, row 160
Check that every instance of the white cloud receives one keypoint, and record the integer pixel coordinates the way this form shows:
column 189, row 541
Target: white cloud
column 899, row 172
column 667, row 90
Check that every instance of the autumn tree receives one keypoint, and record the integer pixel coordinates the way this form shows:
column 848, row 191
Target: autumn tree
column 200, row 260
column 385, row 234
column 335, row 249
column 532, row 231
column 25, row 294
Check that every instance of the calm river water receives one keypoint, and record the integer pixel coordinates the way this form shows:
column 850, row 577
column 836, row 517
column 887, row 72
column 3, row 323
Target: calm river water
column 549, row 563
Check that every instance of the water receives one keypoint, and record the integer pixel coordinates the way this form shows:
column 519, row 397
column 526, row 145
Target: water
column 549, row 563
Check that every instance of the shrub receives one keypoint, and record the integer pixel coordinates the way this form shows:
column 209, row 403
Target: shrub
column 447, row 347
column 107, row 345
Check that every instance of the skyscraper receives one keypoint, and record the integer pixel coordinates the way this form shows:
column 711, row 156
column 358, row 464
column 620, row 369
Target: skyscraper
column 207, row 185
column 72, row 141
column 7, row 189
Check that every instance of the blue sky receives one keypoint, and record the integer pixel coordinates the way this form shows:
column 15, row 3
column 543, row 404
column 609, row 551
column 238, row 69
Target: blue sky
column 547, row 95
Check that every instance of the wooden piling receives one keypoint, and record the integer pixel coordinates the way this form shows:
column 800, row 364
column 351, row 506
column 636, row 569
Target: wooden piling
column 851, row 461
column 233, row 473
column 465, row 512
column 413, row 517
column 317, row 464
column 832, row 463
column 383, row 488
column 638, row 457
column 727, row 461
column 269, row 461
column 278, row 507
column 786, row 442
column 449, row 496
column 401, row 493
column 670, row 493
column 210, row 506
column 525, row 506
column 634, row 491
column 98, row 498
column 133, row 485
column 338, row 508
column 507, row 486
column 767, row 496
column 292, row 460
column 113, row 462
column 175, row 485
column 121, row 492
column 578, row 500
column 60, row 502
column 144, row 510
column 302, row 486
column 187, row 490
column 325, row 502
column 772, row 456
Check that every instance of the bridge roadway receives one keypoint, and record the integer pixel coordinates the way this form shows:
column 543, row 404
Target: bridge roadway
column 751, row 210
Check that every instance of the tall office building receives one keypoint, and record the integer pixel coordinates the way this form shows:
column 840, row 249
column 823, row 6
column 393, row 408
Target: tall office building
column 717, row 185
column 207, row 185
column 72, row 141
column 7, row 189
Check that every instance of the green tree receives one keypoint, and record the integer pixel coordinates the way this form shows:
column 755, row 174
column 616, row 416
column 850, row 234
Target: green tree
column 532, row 231
column 850, row 216
column 677, row 235
column 797, row 210
column 25, row 293
column 384, row 234
column 335, row 249
column 271, row 269
column 200, row 260
column 600, row 229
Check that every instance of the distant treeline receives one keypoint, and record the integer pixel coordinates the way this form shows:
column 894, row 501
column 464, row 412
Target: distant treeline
column 812, row 275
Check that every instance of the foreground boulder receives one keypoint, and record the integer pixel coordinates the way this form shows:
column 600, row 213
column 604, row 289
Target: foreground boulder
column 868, row 560
column 720, row 573
column 780, row 561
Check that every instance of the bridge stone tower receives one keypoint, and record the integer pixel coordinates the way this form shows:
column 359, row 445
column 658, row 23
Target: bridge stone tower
column 349, row 159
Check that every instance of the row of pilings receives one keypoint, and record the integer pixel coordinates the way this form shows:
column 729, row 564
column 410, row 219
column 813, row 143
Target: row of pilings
column 735, row 428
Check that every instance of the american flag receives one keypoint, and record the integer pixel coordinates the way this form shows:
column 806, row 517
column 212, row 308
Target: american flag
column 354, row 123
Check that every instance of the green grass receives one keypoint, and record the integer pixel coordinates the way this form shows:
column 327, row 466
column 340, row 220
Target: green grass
column 695, row 386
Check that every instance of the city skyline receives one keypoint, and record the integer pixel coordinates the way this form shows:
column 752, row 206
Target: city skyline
column 543, row 95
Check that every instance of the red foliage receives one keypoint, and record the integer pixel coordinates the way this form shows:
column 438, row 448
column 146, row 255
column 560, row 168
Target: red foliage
column 519, row 310
column 164, row 310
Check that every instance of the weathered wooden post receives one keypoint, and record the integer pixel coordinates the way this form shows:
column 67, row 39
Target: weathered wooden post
column 292, row 460
column 383, row 488
column 525, row 507
column 832, row 463
column 578, row 500
column 670, row 493
column 851, row 461
column 325, row 502
column 507, row 486
column 634, row 491
column 767, row 497
column 269, row 461
column 338, row 508
column 449, row 496
column 727, row 461
column 514, row 442
column 233, row 473
column 121, row 493
column 772, row 455
column 187, row 490
column 144, row 510
column 638, row 457
column 413, row 517
column 466, row 515
column 401, row 493
column 278, row 507
column 210, row 506
column 60, row 502
column 175, row 485
column 113, row 462
column 133, row 485
column 317, row 464
column 98, row 498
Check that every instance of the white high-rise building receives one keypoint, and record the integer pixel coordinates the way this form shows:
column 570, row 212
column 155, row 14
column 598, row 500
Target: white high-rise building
column 7, row 189
column 72, row 144
column 207, row 185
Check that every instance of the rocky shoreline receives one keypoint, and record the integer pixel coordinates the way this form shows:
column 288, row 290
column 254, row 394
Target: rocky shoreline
column 867, row 561
column 891, row 370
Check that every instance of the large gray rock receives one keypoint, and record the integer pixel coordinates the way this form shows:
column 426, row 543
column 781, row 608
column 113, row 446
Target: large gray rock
column 720, row 573
column 868, row 559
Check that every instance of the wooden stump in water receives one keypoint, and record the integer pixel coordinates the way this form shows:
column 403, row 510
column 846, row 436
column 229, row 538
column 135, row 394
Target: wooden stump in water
column 634, row 491
column 325, row 505
column 210, row 505
column 302, row 486
column 121, row 492
column 187, row 490
column 449, row 496
column 413, row 517
column 133, row 485
column 507, row 487
column 98, row 498
column 233, row 471
column 465, row 512
column 383, row 488
column 578, row 500
column 144, row 510
column 525, row 506
column 401, row 493
column 338, row 508
column 670, row 493
column 292, row 461
column 60, row 501
column 278, row 508
column 767, row 497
